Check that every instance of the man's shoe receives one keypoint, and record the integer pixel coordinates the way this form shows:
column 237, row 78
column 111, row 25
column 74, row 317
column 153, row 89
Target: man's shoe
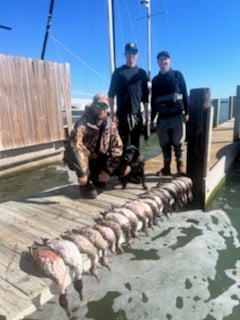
column 88, row 191
column 180, row 170
column 99, row 184
column 164, row 172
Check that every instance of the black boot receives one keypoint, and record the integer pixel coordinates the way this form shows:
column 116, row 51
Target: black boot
column 165, row 171
column 180, row 170
column 88, row 191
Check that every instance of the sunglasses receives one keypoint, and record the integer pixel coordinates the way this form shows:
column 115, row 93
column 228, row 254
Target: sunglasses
column 132, row 52
column 101, row 106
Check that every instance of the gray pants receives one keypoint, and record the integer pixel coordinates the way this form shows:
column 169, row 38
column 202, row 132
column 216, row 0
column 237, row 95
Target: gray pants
column 171, row 133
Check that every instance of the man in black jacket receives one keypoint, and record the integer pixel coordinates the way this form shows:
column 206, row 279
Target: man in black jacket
column 170, row 102
column 129, row 84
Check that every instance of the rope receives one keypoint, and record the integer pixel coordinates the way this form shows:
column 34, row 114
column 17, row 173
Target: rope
column 79, row 59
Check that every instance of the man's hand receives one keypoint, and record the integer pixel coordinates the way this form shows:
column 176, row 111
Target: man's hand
column 152, row 126
column 103, row 176
column 83, row 180
column 115, row 119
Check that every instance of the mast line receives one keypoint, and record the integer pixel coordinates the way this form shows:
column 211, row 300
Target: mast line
column 49, row 22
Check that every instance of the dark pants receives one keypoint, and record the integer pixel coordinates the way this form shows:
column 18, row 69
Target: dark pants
column 99, row 164
column 130, row 134
column 96, row 166
column 171, row 133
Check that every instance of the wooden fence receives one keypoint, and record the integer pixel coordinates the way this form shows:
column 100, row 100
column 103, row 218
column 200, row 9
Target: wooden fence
column 33, row 96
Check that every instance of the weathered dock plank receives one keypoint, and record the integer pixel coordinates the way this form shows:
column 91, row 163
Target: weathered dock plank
column 28, row 224
column 12, row 301
column 23, row 282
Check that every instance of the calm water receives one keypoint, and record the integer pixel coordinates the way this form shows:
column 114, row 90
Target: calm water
column 186, row 268
column 36, row 180
column 228, row 198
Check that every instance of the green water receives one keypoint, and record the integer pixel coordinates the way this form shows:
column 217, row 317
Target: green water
column 32, row 181
column 36, row 180
column 228, row 199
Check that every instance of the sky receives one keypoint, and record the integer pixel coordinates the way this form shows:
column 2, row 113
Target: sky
column 200, row 35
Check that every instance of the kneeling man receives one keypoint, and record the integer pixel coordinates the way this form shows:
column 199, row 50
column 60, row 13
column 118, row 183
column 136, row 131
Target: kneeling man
column 97, row 147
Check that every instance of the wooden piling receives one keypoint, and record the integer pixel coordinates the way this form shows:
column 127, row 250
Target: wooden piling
column 199, row 131
column 216, row 103
column 236, row 131
column 230, row 107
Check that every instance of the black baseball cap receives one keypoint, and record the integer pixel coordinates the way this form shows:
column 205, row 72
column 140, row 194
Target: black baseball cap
column 131, row 47
column 163, row 54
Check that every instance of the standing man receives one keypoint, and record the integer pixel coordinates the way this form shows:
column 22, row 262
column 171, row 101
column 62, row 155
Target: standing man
column 129, row 84
column 170, row 102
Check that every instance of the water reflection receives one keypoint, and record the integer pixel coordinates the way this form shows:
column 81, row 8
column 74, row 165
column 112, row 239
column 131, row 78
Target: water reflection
column 140, row 254
column 32, row 181
column 102, row 309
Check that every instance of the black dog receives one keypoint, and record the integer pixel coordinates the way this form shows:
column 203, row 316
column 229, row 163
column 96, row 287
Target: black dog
column 134, row 158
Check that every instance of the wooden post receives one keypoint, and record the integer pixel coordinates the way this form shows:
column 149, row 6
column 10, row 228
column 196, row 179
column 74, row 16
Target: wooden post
column 236, row 132
column 198, row 142
column 230, row 107
column 217, row 105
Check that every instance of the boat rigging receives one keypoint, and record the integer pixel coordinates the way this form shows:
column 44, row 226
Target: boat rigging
column 5, row 27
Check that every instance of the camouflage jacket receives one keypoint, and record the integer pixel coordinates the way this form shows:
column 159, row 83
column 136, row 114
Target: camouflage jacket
column 85, row 138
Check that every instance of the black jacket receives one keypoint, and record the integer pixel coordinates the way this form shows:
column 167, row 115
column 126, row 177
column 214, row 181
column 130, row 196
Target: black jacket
column 130, row 87
column 165, row 85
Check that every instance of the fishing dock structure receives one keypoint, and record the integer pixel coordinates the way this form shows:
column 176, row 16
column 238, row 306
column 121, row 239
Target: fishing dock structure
column 52, row 212
column 35, row 105
column 38, row 134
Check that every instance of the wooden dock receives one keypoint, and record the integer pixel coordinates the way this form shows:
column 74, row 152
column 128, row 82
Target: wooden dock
column 51, row 213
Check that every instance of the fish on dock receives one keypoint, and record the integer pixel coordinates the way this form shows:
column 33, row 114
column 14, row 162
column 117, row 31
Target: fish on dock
column 140, row 213
column 72, row 257
column 166, row 198
column 52, row 266
column 154, row 206
column 84, row 246
column 132, row 219
column 109, row 235
column 116, row 227
column 122, row 220
column 95, row 237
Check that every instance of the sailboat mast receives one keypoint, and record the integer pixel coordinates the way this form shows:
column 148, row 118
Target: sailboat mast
column 146, row 3
column 149, row 41
column 111, row 34
column 49, row 21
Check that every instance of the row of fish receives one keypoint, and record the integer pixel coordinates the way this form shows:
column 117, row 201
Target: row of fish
column 57, row 258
